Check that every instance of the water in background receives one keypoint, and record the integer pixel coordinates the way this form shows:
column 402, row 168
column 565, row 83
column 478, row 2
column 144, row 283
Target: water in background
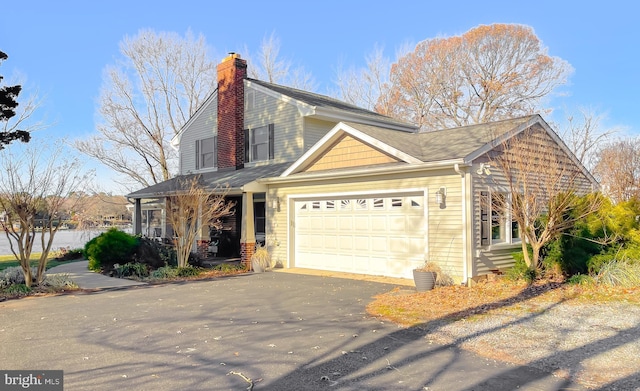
column 71, row 239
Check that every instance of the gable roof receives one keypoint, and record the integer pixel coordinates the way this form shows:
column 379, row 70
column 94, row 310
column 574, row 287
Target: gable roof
column 323, row 106
column 316, row 105
column 448, row 146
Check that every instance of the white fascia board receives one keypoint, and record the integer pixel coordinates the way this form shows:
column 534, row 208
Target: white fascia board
column 175, row 140
column 334, row 134
column 536, row 119
column 380, row 145
column 366, row 172
column 315, row 150
column 342, row 115
column 501, row 139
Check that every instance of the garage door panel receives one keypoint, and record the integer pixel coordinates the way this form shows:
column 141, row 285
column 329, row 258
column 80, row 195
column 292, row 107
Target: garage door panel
column 379, row 244
column 361, row 243
column 316, row 222
column 330, row 223
column 345, row 242
column 330, row 242
column 345, row 223
column 361, row 223
column 378, row 223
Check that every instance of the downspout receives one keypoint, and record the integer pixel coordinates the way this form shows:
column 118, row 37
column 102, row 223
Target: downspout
column 463, row 204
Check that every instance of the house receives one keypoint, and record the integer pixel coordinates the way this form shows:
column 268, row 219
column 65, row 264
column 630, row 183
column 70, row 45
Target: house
column 327, row 185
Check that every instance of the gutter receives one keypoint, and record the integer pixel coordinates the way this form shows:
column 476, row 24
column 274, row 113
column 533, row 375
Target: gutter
column 360, row 173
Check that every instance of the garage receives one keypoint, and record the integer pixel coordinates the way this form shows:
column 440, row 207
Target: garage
column 366, row 234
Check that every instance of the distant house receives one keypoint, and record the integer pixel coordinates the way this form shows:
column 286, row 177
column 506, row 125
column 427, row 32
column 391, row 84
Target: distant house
column 331, row 186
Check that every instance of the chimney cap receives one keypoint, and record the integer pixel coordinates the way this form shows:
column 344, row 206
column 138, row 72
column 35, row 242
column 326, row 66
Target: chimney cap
column 231, row 56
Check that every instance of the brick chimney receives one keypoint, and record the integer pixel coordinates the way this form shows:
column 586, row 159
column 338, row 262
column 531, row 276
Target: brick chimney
column 231, row 73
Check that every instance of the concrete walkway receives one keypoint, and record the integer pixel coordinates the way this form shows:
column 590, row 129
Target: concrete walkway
column 86, row 279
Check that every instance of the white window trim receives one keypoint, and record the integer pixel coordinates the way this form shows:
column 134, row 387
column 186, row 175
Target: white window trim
column 509, row 241
column 198, row 154
column 249, row 135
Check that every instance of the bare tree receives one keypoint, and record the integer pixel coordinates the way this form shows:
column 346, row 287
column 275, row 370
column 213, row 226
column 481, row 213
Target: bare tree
column 274, row 69
column 585, row 135
column 540, row 183
column 192, row 208
column 35, row 186
column 146, row 98
column 488, row 73
column 618, row 169
column 363, row 87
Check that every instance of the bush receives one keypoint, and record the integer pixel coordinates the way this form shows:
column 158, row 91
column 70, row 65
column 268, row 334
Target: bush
column 155, row 254
column 520, row 270
column 581, row 279
column 18, row 289
column 69, row 255
column 59, row 281
column 187, row 271
column 13, row 276
column 619, row 273
column 109, row 248
column 132, row 269
column 164, row 272
column 228, row 267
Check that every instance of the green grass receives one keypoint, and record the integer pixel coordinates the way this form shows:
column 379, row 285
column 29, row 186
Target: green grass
column 7, row 261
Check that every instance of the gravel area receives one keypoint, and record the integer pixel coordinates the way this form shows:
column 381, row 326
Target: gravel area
column 596, row 345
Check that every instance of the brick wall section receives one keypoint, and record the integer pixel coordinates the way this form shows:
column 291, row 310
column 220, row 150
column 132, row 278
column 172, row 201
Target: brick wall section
column 231, row 73
column 246, row 251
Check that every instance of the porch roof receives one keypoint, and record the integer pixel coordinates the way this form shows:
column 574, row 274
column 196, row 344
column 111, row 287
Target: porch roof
column 235, row 179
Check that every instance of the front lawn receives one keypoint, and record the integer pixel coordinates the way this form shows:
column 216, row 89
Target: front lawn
column 450, row 303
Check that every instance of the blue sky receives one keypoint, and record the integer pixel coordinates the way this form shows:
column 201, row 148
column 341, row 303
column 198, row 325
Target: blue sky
column 62, row 46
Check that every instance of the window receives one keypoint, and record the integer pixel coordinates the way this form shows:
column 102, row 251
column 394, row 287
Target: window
column 206, row 153
column 496, row 221
column 258, row 143
column 498, row 218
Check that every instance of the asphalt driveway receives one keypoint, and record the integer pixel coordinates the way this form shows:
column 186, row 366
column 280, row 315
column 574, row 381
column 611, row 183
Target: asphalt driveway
column 282, row 331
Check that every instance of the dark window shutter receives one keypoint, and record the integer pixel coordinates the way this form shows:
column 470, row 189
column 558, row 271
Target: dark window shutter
column 197, row 154
column 247, row 146
column 271, row 141
column 485, row 222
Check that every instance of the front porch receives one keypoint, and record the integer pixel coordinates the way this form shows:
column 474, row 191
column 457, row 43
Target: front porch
column 234, row 239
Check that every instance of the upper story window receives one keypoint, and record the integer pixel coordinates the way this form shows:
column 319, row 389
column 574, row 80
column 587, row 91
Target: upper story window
column 206, row 153
column 258, row 143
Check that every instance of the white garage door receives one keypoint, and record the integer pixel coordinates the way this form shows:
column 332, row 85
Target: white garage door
column 379, row 235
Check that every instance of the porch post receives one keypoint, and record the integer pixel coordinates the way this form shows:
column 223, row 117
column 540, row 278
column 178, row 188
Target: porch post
column 137, row 217
column 247, row 232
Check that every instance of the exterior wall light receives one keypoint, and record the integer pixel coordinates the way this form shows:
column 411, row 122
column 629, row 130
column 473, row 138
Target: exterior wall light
column 441, row 194
column 484, row 169
column 275, row 203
